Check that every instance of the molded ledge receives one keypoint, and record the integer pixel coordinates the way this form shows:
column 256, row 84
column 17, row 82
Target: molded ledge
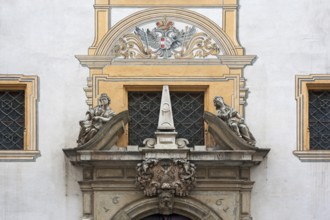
column 18, row 155
column 230, row 157
column 237, row 61
column 313, row 155
column 99, row 62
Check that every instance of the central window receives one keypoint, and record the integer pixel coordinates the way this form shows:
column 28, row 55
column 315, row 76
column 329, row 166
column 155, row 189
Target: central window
column 187, row 107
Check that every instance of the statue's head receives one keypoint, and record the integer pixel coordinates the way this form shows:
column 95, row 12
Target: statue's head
column 104, row 99
column 218, row 101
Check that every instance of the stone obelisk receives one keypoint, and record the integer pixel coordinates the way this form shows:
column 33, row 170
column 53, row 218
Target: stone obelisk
column 165, row 133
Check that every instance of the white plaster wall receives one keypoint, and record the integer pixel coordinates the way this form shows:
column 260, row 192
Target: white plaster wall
column 41, row 37
column 289, row 37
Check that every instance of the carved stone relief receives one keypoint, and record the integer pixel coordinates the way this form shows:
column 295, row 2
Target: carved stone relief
column 166, row 178
column 165, row 41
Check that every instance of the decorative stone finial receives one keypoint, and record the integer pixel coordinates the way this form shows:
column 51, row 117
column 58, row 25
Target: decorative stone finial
column 165, row 121
column 165, row 134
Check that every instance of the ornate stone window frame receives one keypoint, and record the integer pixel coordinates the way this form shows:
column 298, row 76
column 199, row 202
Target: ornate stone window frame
column 30, row 85
column 305, row 83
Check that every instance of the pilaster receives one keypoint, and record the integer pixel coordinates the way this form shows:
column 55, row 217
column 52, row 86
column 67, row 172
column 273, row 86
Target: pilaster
column 102, row 16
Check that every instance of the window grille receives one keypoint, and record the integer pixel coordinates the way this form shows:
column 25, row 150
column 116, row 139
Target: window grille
column 187, row 107
column 319, row 120
column 12, row 120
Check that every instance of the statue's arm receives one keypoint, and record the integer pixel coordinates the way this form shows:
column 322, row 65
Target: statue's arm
column 105, row 119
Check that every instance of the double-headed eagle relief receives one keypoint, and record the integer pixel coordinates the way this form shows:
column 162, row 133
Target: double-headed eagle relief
column 165, row 41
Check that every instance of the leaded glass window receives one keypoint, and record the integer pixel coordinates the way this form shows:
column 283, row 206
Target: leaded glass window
column 143, row 109
column 12, row 120
column 188, row 109
column 319, row 120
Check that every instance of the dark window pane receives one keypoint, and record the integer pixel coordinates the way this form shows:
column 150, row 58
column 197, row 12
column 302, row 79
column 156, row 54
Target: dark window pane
column 143, row 109
column 188, row 108
column 12, row 120
column 319, row 120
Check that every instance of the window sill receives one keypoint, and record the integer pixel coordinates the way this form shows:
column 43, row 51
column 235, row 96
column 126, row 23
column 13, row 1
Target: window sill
column 313, row 155
column 18, row 155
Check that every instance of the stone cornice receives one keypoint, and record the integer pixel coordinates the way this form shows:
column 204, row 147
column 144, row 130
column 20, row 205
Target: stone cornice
column 94, row 62
column 235, row 158
column 237, row 61
column 99, row 62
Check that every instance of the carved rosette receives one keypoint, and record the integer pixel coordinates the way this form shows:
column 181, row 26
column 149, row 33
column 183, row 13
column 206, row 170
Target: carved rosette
column 166, row 178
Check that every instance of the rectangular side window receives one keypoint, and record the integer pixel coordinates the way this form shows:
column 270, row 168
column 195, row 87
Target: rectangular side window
column 12, row 119
column 319, row 119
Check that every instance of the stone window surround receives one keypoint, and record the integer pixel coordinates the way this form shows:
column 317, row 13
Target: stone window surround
column 30, row 85
column 305, row 83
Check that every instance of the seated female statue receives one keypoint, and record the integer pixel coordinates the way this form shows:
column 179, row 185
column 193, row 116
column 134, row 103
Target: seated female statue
column 95, row 118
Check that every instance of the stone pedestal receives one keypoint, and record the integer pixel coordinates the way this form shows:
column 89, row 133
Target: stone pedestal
column 166, row 140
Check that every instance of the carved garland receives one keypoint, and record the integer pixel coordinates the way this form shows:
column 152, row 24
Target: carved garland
column 165, row 41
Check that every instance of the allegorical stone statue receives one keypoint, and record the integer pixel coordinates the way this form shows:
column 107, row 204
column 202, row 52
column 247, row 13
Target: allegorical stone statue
column 95, row 119
column 233, row 119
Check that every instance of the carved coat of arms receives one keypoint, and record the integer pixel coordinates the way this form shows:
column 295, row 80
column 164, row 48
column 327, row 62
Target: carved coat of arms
column 165, row 38
column 165, row 178
column 155, row 176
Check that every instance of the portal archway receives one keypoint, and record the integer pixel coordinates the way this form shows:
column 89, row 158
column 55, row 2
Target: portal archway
column 187, row 207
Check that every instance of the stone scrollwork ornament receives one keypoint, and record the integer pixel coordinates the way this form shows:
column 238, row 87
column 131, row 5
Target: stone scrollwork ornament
column 165, row 41
column 131, row 47
column 199, row 46
column 166, row 178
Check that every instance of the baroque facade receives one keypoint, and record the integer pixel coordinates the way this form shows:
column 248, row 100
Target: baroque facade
column 194, row 110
